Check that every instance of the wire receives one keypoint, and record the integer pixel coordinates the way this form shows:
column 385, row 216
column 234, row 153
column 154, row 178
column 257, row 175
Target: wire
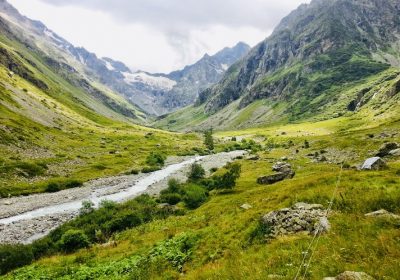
column 317, row 232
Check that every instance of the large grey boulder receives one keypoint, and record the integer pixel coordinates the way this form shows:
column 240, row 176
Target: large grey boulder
column 302, row 217
column 271, row 179
column 387, row 148
column 351, row 275
column 375, row 163
column 283, row 171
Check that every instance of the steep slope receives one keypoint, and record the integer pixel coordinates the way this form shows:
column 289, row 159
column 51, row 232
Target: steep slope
column 59, row 128
column 315, row 65
column 25, row 37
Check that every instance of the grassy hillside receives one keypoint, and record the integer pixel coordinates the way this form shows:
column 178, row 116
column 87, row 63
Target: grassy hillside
column 220, row 240
column 57, row 127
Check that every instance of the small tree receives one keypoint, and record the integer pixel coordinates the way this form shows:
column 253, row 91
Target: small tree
column 306, row 144
column 196, row 172
column 228, row 180
column 209, row 140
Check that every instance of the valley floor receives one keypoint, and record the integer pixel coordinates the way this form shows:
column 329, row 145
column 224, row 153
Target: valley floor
column 226, row 241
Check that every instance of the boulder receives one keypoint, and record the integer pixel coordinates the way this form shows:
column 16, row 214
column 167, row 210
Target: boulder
column 272, row 179
column 386, row 149
column 395, row 153
column 382, row 213
column 283, row 171
column 375, row 163
column 253, row 157
column 302, row 217
column 351, row 275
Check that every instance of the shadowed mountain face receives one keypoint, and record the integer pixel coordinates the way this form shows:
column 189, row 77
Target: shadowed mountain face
column 314, row 51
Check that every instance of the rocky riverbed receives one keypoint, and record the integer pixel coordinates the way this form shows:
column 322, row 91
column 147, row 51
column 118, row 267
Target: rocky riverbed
column 25, row 219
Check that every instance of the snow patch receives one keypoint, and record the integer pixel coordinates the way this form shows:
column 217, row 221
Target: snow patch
column 153, row 81
column 224, row 66
column 108, row 65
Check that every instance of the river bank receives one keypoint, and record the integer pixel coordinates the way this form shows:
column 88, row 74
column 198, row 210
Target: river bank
column 25, row 219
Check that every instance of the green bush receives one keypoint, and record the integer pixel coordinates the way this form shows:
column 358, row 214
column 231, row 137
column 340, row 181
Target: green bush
column 171, row 198
column 228, row 180
column 73, row 240
column 156, row 159
column 196, row 172
column 194, row 196
column 62, row 185
column 149, row 169
column 13, row 256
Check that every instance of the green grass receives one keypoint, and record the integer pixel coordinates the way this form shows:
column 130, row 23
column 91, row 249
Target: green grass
column 224, row 248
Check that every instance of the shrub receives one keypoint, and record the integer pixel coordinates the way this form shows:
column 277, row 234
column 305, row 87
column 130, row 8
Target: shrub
column 155, row 159
column 53, row 187
column 228, row 180
column 196, row 172
column 171, row 198
column 87, row 207
column 149, row 169
column 73, row 240
column 122, row 222
column 13, row 256
column 194, row 196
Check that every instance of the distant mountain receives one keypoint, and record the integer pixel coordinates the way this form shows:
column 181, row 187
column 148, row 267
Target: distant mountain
column 158, row 94
column 197, row 77
column 325, row 59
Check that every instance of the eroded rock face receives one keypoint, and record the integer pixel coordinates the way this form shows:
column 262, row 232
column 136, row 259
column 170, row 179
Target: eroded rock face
column 302, row 217
column 351, row 275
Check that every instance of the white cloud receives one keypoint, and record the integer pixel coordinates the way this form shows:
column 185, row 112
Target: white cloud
column 158, row 35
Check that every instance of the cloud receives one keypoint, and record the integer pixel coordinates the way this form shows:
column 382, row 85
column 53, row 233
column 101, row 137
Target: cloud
column 185, row 14
column 158, row 35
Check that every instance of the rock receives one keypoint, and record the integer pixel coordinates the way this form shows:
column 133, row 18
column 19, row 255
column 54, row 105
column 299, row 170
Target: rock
column 302, row 217
column 306, row 206
column 281, row 167
column 386, row 148
column 284, row 158
column 395, row 153
column 271, row 179
column 8, row 203
column 382, row 213
column 253, row 157
column 351, row 275
column 246, row 206
column 275, row 276
column 375, row 163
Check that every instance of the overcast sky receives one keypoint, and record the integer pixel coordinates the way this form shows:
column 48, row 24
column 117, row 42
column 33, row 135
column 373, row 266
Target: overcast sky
column 158, row 35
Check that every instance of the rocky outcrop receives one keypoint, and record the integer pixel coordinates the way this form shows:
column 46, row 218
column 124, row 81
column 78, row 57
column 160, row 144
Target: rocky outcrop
column 351, row 275
column 387, row 148
column 302, row 217
column 283, row 171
